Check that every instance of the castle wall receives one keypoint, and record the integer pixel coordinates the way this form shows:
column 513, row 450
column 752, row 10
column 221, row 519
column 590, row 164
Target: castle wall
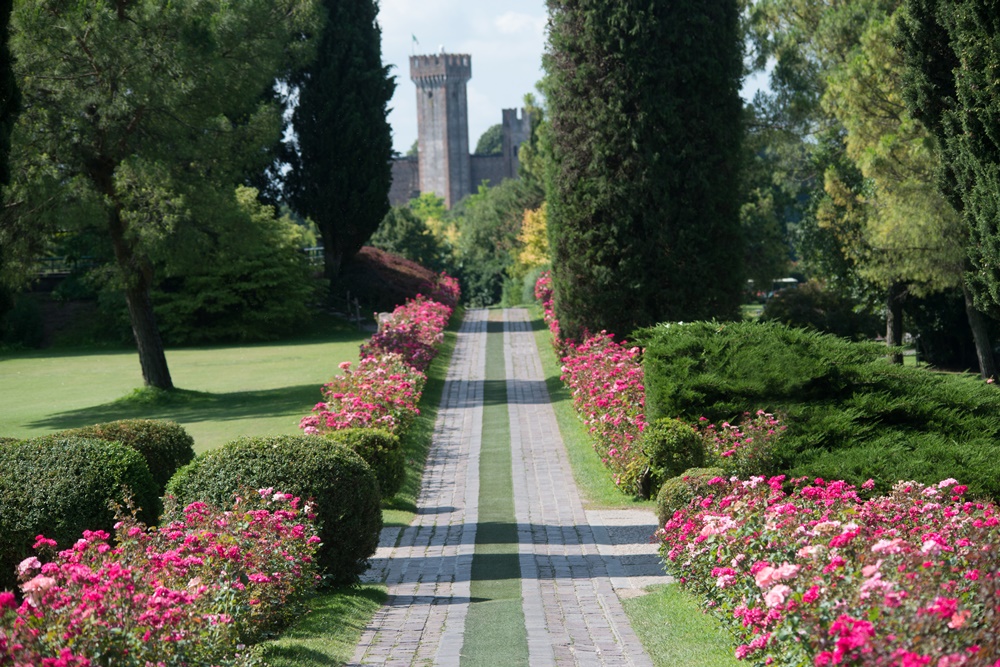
column 516, row 131
column 405, row 180
column 489, row 168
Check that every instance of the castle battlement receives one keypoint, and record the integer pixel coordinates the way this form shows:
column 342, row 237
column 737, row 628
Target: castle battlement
column 437, row 69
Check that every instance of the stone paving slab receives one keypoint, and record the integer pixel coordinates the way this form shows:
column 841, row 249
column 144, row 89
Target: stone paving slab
column 573, row 615
column 427, row 566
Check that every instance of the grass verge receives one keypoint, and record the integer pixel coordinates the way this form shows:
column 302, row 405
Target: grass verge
column 400, row 510
column 328, row 634
column 676, row 633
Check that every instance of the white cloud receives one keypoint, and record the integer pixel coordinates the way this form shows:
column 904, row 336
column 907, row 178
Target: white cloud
column 515, row 23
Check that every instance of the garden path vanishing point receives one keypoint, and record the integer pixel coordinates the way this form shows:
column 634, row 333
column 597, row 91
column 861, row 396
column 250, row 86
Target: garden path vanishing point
column 574, row 564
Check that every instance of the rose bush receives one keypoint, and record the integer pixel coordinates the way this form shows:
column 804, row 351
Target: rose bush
column 818, row 576
column 385, row 388
column 194, row 592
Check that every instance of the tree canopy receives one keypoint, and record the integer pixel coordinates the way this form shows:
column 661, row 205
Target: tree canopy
column 491, row 141
column 136, row 117
column 341, row 175
column 645, row 112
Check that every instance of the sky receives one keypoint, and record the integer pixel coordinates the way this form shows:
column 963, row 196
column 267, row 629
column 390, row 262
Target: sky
column 505, row 39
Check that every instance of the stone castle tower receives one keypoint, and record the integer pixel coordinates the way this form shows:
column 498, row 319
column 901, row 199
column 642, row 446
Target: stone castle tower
column 443, row 124
column 444, row 165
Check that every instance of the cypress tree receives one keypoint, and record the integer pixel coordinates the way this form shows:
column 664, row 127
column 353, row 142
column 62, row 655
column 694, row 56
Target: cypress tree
column 8, row 91
column 645, row 137
column 952, row 53
column 342, row 172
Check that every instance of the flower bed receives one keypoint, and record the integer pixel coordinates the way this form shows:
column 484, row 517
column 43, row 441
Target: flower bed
column 818, row 576
column 385, row 388
column 194, row 592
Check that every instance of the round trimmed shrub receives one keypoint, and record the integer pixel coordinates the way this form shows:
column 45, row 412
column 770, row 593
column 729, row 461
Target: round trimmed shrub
column 672, row 447
column 60, row 486
column 677, row 492
column 381, row 450
column 338, row 481
column 165, row 445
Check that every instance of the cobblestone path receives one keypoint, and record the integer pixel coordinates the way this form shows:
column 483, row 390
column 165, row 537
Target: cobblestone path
column 574, row 564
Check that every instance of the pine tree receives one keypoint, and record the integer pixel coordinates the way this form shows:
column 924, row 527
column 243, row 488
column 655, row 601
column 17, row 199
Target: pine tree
column 342, row 172
column 645, row 137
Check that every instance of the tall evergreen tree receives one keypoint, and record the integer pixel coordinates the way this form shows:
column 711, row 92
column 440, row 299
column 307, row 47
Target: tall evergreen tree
column 645, row 136
column 342, row 172
column 952, row 52
column 8, row 91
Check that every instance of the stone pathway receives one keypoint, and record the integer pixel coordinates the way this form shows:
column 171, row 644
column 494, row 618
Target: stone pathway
column 575, row 565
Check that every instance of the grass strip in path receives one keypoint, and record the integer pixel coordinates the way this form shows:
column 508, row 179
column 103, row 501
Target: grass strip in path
column 494, row 626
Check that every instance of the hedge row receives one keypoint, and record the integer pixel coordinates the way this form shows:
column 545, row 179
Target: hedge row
column 850, row 414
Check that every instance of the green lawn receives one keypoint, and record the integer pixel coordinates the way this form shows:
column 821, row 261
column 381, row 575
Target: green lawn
column 224, row 391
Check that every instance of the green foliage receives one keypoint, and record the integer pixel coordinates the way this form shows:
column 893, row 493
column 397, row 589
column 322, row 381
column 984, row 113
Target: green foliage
column 257, row 285
column 21, row 325
column 61, row 486
column 403, row 233
column 488, row 225
column 952, row 51
column 9, row 97
column 8, row 441
column 337, row 480
column 811, row 305
column 850, row 414
column 381, row 450
column 939, row 324
column 164, row 445
column 341, row 175
column 135, row 117
column 677, row 492
column 672, row 447
column 643, row 212
column 491, row 141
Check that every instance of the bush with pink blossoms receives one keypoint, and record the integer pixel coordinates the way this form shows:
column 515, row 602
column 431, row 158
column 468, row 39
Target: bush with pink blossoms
column 606, row 378
column 385, row 388
column 817, row 576
column 382, row 392
column 545, row 295
column 445, row 291
column 191, row 593
column 744, row 450
column 414, row 330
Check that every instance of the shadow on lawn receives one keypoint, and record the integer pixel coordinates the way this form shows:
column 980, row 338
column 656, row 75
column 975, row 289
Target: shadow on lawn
column 185, row 406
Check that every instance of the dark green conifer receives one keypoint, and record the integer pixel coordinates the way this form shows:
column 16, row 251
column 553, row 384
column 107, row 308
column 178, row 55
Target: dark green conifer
column 8, row 91
column 342, row 173
column 642, row 186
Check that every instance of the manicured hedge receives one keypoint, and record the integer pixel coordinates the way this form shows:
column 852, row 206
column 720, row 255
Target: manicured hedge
column 165, row 445
column 381, row 450
column 672, row 447
column 850, row 414
column 677, row 493
column 337, row 480
column 59, row 486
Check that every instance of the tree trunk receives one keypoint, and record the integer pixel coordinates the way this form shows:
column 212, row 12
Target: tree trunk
column 984, row 351
column 152, row 357
column 894, row 320
column 333, row 258
column 138, row 276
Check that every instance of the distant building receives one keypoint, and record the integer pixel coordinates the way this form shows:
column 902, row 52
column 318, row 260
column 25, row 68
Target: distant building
column 443, row 164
